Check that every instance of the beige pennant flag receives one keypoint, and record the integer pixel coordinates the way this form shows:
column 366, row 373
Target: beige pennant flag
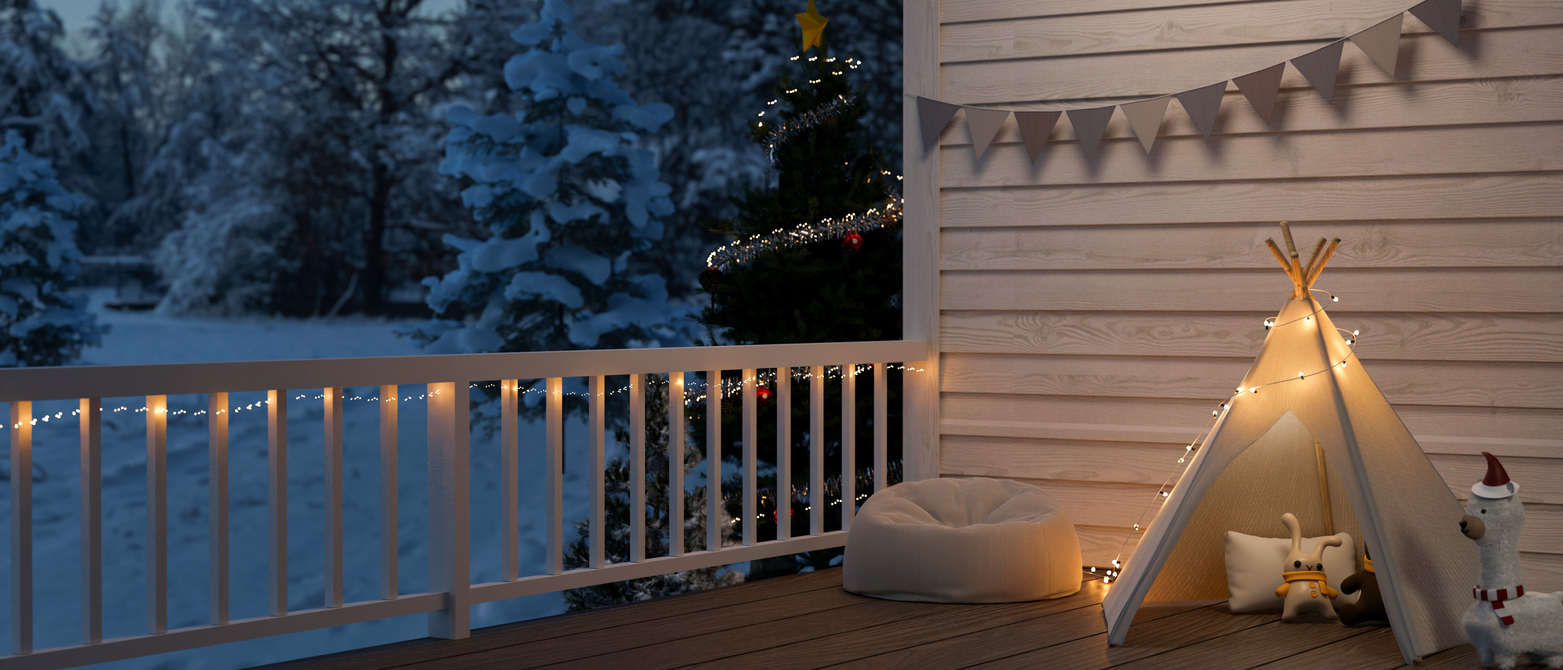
column 1145, row 118
column 934, row 115
column 1320, row 68
column 1202, row 104
column 1261, row 88
column 984, row 125
column 1381, row 43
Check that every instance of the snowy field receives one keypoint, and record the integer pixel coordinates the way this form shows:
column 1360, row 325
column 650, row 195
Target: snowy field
column 149, row 338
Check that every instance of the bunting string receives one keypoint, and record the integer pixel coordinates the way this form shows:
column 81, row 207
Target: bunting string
column 1319, row 67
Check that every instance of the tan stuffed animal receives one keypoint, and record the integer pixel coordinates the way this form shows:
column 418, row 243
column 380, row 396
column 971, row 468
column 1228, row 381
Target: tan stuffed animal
column 1305, row 590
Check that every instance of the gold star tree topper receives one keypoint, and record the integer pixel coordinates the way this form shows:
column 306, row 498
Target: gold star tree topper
column 813, row 25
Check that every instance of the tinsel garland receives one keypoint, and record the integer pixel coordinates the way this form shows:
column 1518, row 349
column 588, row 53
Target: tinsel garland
column 826, row 113
column 743, row 251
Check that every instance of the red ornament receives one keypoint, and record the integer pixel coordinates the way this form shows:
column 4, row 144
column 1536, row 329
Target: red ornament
column 852, row 241
column 764, row 393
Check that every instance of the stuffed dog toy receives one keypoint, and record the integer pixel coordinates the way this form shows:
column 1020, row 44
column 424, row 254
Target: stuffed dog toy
column 1370, row 605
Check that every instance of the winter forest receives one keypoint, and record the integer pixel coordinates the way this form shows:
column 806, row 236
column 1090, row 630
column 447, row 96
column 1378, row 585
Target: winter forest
column 226, row 180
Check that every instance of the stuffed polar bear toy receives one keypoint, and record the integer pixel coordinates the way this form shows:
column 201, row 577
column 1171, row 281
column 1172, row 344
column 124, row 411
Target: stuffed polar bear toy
column 1506, row 622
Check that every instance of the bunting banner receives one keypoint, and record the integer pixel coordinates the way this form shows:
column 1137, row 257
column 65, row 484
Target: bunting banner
column 1320, row 67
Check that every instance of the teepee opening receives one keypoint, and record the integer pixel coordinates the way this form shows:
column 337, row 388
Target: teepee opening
column 1285, row 470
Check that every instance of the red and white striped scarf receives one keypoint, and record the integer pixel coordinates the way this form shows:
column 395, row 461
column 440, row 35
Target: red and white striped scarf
column 1496, row 597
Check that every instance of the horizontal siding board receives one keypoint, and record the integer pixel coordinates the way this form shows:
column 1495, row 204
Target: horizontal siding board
column 1099, row 545
column 1119, row 419
column 1336, row 154
column 991, row 10
column 1451, row 103
column 1085, row 80
column 1532, row 385
column 1074, row 460
column 1540, row 479
column 1400, row 336
column 1407, row 290
column 1367, row 244
column 1197, row 27
column 1506, row 196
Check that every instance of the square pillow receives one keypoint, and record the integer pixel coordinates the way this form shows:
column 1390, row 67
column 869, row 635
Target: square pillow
column 1254, row 567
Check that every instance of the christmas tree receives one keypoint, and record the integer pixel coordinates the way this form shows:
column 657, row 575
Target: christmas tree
column 40, row 324
column 815, row 257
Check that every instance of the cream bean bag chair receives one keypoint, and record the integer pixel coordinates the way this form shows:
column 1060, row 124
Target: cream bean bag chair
column 962, row 541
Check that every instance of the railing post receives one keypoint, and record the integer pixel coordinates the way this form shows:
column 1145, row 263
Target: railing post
column 553, row 475
column 449, row 500
column 509, row 390
column 332, row 405
column 749, row 465
column 848, row 444
column 714, row 520
column 881, row 431
column 217, row 502
column 277, row 500
column 637, row 468
column 817, row 450
column 157, row 514
column 783, row 453
column 675, row 464
column 596, row 428
column 91, row 521
column 21, row 527
column 388, row 493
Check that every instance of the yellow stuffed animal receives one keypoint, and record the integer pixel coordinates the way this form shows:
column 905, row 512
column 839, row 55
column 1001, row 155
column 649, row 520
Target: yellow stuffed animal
column 1305, row 590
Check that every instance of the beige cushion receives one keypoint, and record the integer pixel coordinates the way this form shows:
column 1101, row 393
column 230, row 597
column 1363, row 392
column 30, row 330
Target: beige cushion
column 962, row 541
column 1255, row 564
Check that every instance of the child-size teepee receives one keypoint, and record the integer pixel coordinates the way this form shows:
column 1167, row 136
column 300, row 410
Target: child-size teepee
column 1308, row 432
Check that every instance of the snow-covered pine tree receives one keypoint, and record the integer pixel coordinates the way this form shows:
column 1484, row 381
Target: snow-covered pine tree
column 125, row 75
column 40, row 324
column 568, row 199
column 616, row 520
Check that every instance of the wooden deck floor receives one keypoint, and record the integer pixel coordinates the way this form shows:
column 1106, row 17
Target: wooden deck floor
column 808, row 621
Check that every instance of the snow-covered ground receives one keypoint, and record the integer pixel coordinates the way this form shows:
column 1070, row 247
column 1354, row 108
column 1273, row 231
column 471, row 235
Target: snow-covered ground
column 149, row 338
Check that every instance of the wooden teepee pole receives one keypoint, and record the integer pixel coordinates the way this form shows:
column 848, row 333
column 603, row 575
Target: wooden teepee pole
column 1313, row 273
column 1299, row 290
column 1308, row 269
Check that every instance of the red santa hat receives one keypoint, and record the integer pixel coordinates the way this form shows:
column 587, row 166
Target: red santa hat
column 1496, row 484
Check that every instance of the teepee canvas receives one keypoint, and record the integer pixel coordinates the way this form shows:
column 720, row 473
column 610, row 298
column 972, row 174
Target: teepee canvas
column 1308, row 432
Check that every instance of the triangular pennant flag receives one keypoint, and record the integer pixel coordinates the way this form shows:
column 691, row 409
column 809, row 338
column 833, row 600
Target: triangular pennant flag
column 1320, row 68
column 984, row 124
column 1089, row 124
column 1443, row 16
column 934, row 116
column 1145, row 118
column 1202, row 105
column 1381, row 43
column 1034, row 129
column 1261, row 88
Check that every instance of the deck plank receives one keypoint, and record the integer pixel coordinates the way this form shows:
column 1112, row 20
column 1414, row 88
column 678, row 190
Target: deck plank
column 523, row 632
column 1004, row 641
column 1079, row 612
column 1248, row 648
column 781, row 633
column 1372, row 650
column 1158, row 636
column 632, row 637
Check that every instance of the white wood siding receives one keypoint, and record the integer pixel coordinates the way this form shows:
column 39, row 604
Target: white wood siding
column 1090, row 314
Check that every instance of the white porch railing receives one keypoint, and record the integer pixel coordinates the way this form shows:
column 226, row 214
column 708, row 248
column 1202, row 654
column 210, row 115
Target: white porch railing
column 450, row 591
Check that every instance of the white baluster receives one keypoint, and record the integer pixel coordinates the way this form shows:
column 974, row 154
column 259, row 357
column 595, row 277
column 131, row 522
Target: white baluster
column 389, row 553
column 715, row 518
column 637, row 468
column 91, row 521
column 783, row 453
column 449, row 502
column 277, row 501
column 675, row 464
column 21, row 527
column 848, row 444
column 596, row 426
column 881, row 431
column 333, row 491
column 508, row 407
column 817, row 450
column 157, row 514
column 553, row 470
column 217, row 503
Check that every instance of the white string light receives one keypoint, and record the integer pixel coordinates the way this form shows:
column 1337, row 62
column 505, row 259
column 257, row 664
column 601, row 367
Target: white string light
column 740, row 252
column 1162, row 494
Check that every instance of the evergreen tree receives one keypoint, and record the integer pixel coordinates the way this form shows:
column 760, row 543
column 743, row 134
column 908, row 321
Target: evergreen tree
column 569, row 201
column 123, row 72
column 616, row 520
column 40, row 324
column 835, row 290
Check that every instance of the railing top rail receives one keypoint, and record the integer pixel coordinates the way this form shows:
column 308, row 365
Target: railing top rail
column 118, row 381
